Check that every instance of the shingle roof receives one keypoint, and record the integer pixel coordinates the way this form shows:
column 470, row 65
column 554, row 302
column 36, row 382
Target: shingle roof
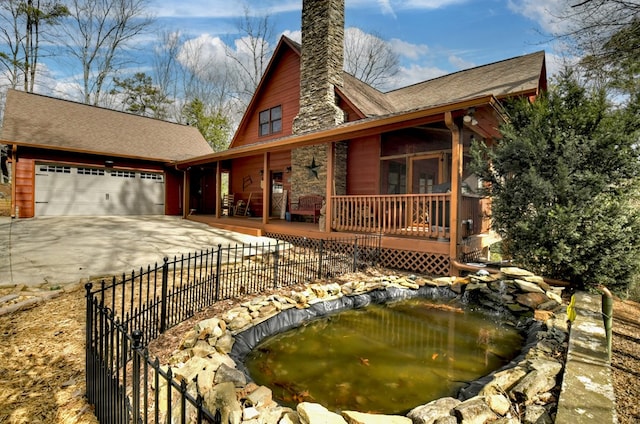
column 506, row 78
column 32, row 119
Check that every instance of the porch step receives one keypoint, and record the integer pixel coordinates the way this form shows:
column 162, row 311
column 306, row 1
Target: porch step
column 257, row 232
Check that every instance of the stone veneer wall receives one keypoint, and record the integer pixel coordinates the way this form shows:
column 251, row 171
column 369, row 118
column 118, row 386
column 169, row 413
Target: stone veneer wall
column 321, row 65
column 321, row 69
column 304, row 181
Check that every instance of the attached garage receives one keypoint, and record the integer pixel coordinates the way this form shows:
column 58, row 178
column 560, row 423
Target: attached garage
column 62, row 190
column 72, row 159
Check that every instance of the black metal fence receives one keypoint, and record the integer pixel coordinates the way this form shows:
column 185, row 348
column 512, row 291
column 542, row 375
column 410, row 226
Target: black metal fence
column 127, row 312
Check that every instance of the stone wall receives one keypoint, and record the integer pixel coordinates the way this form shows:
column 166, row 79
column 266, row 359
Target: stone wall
column 525, row 391
column 309, row 171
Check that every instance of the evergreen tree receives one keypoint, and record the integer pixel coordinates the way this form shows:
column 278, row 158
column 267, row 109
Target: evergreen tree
column 213, row 126
column 563, row 181
column 140, row 96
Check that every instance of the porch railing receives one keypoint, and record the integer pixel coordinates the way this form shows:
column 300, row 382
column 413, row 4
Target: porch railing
column 419, row 215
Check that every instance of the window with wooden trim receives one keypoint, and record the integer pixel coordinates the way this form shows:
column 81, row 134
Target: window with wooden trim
column 270, row 121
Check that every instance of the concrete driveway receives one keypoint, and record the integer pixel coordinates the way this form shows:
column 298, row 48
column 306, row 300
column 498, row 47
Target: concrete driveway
column 53, row 251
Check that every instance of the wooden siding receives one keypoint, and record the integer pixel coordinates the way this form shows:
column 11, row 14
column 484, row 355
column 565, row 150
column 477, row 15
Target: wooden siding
column 25, row 187
column 280, row 87
column 245, row 178
column 363, row 166
column 174, row 192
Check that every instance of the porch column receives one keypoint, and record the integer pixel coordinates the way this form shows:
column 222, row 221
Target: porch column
column 328, row 209
column 266, row 187
column 218, row 189
column 14, row 167
column 186, row 191
column 456, row 192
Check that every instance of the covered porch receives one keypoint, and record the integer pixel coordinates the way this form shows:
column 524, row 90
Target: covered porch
column 405, row 177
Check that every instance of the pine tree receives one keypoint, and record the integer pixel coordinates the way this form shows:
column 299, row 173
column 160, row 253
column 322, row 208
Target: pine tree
column 564, row 186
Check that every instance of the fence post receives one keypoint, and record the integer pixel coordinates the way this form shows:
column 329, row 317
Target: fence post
column 276, row 264
column 320, row 255
column 355, row 254
column 137, row 346
column 218, row 262
column 89, row 343
column 165, row 283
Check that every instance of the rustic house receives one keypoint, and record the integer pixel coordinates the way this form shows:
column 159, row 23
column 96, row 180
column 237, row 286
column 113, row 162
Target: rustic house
column 392, row 163
column 69, row 158
column 317, row 154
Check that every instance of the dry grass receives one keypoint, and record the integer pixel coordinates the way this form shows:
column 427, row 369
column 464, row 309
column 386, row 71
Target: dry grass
column 625, row 361
column 42, row 361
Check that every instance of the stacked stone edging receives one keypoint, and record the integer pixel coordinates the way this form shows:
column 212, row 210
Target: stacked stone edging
column 587, row 394
column 524, row 391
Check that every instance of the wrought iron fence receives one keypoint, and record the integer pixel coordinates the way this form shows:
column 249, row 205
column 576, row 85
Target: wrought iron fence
column 126, row 312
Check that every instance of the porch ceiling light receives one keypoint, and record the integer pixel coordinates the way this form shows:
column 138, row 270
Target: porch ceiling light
column 469, row 118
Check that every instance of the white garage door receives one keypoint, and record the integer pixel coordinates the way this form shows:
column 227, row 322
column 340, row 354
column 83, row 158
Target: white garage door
column 66, row 190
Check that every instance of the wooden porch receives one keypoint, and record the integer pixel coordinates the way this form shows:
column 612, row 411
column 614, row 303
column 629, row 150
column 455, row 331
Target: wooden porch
column 415, row 228
column 412, row 215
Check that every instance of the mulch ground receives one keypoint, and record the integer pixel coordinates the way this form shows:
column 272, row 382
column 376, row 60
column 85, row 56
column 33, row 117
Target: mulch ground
column 42, row 362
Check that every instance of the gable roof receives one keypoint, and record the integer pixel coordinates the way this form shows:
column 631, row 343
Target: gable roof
column 522, row 75
column 46, row 122
column 284, row 43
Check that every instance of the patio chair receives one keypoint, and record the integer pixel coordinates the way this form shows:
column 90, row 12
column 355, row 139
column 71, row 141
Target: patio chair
column 242, row 208
column 227, row 204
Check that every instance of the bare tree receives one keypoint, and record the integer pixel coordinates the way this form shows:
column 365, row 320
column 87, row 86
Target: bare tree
column 12, row 36
column 606, row 34
column 100, row 32
column 590, row 24
column 369, row 58
column 24, row 25
column 37, row 14
column 252, row 52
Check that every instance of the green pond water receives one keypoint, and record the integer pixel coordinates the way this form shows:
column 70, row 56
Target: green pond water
column 383, row 358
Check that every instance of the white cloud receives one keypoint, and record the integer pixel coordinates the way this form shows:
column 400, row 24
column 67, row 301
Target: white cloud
column 294, row 35
column 430, row 4
column 557, row 62
column 415, row 73
column 200, row 51
column 409, row 50
column 545, row 13
column 386, row 7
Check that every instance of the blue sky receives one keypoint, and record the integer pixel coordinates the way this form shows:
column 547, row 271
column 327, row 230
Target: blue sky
column 433, row 37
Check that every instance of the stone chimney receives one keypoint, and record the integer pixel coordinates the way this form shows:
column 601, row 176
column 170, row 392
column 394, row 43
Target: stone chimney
column 321, row 65
column 321, row 70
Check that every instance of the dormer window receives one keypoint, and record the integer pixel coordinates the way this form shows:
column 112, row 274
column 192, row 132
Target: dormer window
column 270, row 121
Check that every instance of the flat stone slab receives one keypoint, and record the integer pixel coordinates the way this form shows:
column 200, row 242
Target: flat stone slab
column 587, row 394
